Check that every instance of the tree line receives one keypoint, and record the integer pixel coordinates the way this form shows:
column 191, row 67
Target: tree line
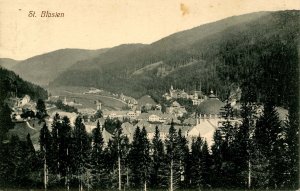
column 258, row 154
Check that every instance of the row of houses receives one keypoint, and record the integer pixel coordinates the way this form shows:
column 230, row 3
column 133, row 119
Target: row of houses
column 150, row 116
column 209, row 108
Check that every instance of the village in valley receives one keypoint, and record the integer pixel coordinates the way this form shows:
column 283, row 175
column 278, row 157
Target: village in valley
column 203, row 121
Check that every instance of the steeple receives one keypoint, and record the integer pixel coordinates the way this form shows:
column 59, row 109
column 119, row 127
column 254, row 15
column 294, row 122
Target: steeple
column 65, row 101
column 212, row 95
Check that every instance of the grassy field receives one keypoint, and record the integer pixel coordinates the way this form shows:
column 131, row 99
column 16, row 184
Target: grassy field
column 87, row 100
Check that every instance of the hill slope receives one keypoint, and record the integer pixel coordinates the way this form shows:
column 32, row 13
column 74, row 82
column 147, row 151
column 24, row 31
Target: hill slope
column 44, row 68
column 9, row 82
column 190, row 57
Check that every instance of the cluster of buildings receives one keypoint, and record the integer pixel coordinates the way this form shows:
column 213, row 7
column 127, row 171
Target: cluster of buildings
column 18, row 105
column 203, row 124
column 149, row 111
column 71, row 103
column 93, row 91
column 131, row 102
column 145, row 113
column 15, row 102
column 196, row 96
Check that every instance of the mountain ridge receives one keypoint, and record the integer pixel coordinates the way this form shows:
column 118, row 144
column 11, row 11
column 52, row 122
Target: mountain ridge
column 206, row 50
column 41, row 69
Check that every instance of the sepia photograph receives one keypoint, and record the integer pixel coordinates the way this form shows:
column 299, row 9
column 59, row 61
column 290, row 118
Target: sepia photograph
column 151, row 95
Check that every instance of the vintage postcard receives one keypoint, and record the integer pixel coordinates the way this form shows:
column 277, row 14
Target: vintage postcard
column 149, row 95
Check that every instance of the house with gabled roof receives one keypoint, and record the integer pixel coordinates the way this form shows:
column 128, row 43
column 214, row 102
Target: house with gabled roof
column 176, row 109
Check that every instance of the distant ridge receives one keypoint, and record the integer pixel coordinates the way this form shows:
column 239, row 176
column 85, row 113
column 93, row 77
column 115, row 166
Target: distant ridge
column 44, row 68
column 8, row 63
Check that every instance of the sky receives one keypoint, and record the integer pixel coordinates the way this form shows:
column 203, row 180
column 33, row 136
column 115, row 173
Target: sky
column 96, row 24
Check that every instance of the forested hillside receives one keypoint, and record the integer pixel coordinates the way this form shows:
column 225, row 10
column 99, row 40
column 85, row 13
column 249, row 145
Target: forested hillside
column 10, row 83
column 212, row 54
column 10, row 86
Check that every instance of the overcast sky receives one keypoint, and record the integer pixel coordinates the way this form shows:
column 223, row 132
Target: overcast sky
column 94, row 24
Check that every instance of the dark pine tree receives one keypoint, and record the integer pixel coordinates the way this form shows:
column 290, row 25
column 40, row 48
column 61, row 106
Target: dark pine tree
column 116, row 154
column 6, row 165
column 228, row 133
column 110, row 158
column 218, row 159
column 81, row 152
column 267, row 137
column 31, row 155
column 292, row 64
column 196, row 158
column 46, row 152
column 158, row 173
column 54, row 161
column 64, row 146
column 145, row 159
column 21, row 161
column 134, row 159
column 292, row 151
column 206, row 166
column 5, row 121
column 243, row 147
column 183, row 153
column 41, row 109
column 97, row 158
column 171, row 143
column 125, row 149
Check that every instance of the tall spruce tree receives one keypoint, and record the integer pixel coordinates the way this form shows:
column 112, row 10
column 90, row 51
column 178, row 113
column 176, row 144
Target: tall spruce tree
column 97, row 158
column 183, row 153
column 21, row 161
column 218, row 158
column 110, row 156
column 206, row 166
column 64, row 146
column 82, row 150
column 116, row 151
column 139, row 158
column 134, row 158
column 45, row 148
column 125, row 149
column 41, row 109
column 5, row 121
column 171, row 143
column 228, row 133
column 196, row 158
column 6, row 165
column 158, row 177
column 292, row 135
column 31, row 155
column 267, row 137
column 243, row 148
column 292, row 150
column 54, row 161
